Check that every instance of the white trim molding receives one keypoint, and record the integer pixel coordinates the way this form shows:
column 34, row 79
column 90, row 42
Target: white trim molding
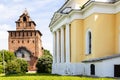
column 94, row 7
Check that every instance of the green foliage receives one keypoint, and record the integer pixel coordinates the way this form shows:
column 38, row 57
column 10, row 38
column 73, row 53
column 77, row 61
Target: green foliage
column 8, row 56
column 23, row 65
column 12, row 67
column 47, row 52
column 44, row 64
column 17, row 66
column 1, row 68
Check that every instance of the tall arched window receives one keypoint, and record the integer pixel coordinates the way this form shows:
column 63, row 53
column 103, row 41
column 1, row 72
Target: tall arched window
column 88, row 42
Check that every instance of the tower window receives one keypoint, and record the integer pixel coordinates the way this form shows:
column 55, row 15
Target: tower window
column 23, row 34
column 11, row 34
column 24, row 19
column 29, row 23
column 28, row 41
column 33, row 41
column 19, row 33
column 15, row 34
column 88, row 42
column 35, row 33
column 22, row 41
column 18, row 41
column 18, row 24
column 12, row 41
column 27, row 33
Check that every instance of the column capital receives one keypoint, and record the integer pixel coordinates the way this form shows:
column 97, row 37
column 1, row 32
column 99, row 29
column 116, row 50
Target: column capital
column 67, row 24
column 53, row 32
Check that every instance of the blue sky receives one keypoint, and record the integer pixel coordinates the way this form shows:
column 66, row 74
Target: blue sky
column 40, row 11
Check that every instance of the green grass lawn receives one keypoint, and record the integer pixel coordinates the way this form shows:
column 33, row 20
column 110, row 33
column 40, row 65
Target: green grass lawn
column 33, row 76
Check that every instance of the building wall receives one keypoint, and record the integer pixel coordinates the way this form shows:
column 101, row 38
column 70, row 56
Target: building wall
column 102, row 27
column 76, row 40
column 104, row 68
column 117, row 33
column 68, row 68
column 31, row 42
column 102, row 19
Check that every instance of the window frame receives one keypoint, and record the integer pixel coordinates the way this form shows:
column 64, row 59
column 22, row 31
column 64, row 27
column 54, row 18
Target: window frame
column 88, row 42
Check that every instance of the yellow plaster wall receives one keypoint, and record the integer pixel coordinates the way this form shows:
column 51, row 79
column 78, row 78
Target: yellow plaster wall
column 76, row 40
column 117, row 32
column 103, row 36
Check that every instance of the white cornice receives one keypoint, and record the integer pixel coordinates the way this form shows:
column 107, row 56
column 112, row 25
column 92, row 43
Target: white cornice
column 117, row 7
column 94, row 7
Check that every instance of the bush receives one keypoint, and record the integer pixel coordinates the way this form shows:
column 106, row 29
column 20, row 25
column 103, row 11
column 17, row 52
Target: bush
column 44, row 64
column 18, row 66
column 23, row 65
column 12, row 67
column 1, row 68
column 8, row 56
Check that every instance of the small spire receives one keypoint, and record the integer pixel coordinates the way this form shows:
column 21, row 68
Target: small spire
column 25, row 11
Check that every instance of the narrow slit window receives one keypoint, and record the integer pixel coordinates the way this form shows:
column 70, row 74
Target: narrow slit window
column 24, row 19
column 88, row 42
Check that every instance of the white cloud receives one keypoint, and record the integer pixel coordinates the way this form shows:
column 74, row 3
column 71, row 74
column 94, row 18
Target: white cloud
column 5, row 27
column 40, row 11
column 3, row 44
column 2, row 7
column 3, row 35
column 18, row 1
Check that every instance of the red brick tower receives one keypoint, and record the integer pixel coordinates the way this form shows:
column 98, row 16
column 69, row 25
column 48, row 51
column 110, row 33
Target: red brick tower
column 26, row 42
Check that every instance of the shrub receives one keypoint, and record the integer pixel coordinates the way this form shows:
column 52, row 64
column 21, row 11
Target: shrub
column 12, row 67
column 8, row 56
column 44, row 64
column 23, row 65
column 1, row 69
column 17, row 66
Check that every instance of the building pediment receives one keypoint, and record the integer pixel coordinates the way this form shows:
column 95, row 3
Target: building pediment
column 56, row 16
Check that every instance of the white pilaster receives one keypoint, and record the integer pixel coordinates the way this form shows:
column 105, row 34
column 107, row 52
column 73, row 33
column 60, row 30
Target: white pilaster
column 58, row 47
column 67, row 43
column 62, row 45
column 54, row 47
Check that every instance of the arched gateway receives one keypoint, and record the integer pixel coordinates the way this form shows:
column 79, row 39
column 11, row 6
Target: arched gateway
column 25, row 41
column 23, row 53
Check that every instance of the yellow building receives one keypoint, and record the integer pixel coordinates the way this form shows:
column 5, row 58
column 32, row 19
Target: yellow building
column 86, row 38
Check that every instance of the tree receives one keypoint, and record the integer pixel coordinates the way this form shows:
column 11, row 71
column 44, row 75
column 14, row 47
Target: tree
column 44, row 64
column 23, row 65
column 17, row 66
column 12, row 67
column 8, row 56
column 47, row 52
